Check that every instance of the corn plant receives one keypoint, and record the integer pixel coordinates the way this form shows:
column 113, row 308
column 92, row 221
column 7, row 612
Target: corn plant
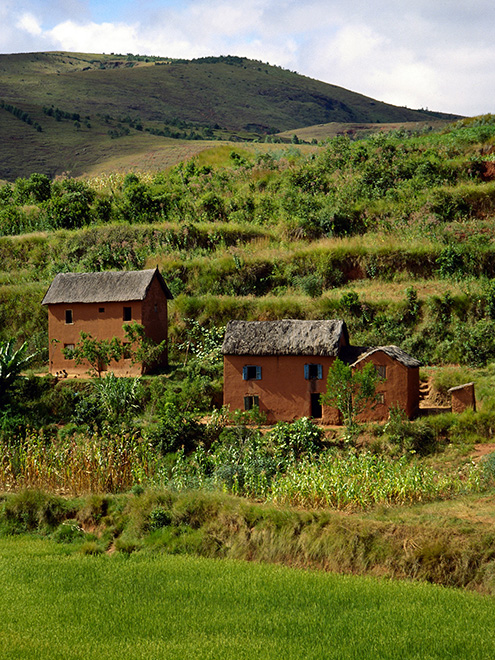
column 82, row 464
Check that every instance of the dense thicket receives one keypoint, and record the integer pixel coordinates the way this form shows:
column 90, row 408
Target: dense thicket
column 273, row 234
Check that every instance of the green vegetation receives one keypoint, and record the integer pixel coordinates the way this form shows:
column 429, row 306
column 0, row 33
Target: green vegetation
column 178, row 607
column 244, row 234
column 392, row 233
column 81, row 101
column 12, row 363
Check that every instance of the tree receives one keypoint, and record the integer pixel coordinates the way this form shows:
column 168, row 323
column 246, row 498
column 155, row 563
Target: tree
column 12, row 363
column 142, row 348
column 351, row 391
column 98, row 352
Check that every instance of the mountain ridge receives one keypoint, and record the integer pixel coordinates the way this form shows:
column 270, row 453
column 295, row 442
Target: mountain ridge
column 82, row 101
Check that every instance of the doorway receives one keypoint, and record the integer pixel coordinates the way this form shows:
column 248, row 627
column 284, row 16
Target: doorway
column 316, row 410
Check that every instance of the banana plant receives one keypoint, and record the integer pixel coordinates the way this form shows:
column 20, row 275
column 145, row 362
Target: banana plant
column 12, row 362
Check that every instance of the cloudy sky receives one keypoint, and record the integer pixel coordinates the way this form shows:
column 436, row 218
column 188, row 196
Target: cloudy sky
column 436, row 54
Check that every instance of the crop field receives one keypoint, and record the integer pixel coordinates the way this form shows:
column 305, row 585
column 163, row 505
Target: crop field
column 60, row 604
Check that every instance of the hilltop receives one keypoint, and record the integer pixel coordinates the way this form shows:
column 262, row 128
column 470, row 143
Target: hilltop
column 71, row 111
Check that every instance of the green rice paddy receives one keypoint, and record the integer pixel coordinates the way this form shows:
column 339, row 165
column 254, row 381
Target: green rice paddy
column 56, row 603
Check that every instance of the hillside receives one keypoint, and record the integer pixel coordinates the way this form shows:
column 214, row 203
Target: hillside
column 394, row 234
column 70, row 111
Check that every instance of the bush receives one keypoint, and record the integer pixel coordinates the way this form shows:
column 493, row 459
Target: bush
column 173, row 430
column 291, row 440
column 417, row 437
column 33, row 510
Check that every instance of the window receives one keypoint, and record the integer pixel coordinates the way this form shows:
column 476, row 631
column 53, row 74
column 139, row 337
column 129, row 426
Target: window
column 101, row 310
column 251, row 402
column 68, row 316
column 127, row 313
column 156, row 309
column 381, row 397
column 381, row 370
column 313, row 371
column 69, row 347
column 251, row 372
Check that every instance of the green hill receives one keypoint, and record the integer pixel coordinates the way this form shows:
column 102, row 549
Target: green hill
column 68, row 111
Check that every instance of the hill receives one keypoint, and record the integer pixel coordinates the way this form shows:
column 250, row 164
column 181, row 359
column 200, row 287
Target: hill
column 67, row 111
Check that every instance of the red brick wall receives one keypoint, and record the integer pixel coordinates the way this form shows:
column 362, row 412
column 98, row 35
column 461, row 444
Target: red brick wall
column 400, row 388
column 284, row 394
column 105, row 325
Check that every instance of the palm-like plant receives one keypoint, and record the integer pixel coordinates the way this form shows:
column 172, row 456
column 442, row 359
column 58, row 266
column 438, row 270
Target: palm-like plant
column 12, row 363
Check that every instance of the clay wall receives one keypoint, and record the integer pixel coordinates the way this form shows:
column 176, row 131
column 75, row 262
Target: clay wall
column 463, row 397
column 400, row 388
column 284, row 392
column 155, row 316
column 100, row 320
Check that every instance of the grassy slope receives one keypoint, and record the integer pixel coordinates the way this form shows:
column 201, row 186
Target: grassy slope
column 322, row 132
column 57, row 606
column 244, row 97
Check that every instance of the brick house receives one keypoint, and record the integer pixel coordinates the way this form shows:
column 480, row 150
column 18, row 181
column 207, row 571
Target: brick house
column 400, row 385
column 282, row 368
column 100, row 304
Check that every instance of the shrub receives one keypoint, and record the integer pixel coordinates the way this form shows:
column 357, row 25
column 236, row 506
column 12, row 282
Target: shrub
column 68, row 532
column 291, row 440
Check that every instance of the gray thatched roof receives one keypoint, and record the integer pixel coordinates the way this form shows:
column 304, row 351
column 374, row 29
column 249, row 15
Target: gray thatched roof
column 288, row 337
column 394, row 352
column 108, row 286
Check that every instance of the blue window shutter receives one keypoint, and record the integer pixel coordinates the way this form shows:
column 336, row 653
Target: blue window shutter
column 306, row 371
column 320, row 372
column 258, row 373
column 244, row 373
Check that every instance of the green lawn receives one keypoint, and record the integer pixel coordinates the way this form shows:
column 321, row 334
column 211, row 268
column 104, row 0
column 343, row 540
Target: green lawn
column 58, row 604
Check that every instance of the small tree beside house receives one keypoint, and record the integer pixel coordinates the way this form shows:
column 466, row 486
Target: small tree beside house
column 107, row 320
column 351, row 391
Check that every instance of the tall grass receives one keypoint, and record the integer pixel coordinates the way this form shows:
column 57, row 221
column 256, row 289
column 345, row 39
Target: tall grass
column 80, row 464
column 364, row 480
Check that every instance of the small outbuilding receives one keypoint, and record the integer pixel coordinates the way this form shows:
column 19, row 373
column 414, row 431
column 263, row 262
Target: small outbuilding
column 100, row 304
column 463, row 397
column 399, row 385
column 281, row 367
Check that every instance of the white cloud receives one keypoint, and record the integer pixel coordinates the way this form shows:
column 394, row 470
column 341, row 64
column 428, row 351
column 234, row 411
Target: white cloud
column 94, row 37
column 30, row 24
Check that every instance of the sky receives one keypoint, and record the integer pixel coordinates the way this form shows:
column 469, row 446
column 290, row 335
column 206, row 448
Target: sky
column 434, row 54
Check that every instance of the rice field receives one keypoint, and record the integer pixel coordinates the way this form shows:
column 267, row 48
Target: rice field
column 57, row 604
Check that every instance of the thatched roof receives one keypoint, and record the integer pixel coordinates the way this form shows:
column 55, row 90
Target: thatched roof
column 394, row 352
column 108, row 286
column 288, row 337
